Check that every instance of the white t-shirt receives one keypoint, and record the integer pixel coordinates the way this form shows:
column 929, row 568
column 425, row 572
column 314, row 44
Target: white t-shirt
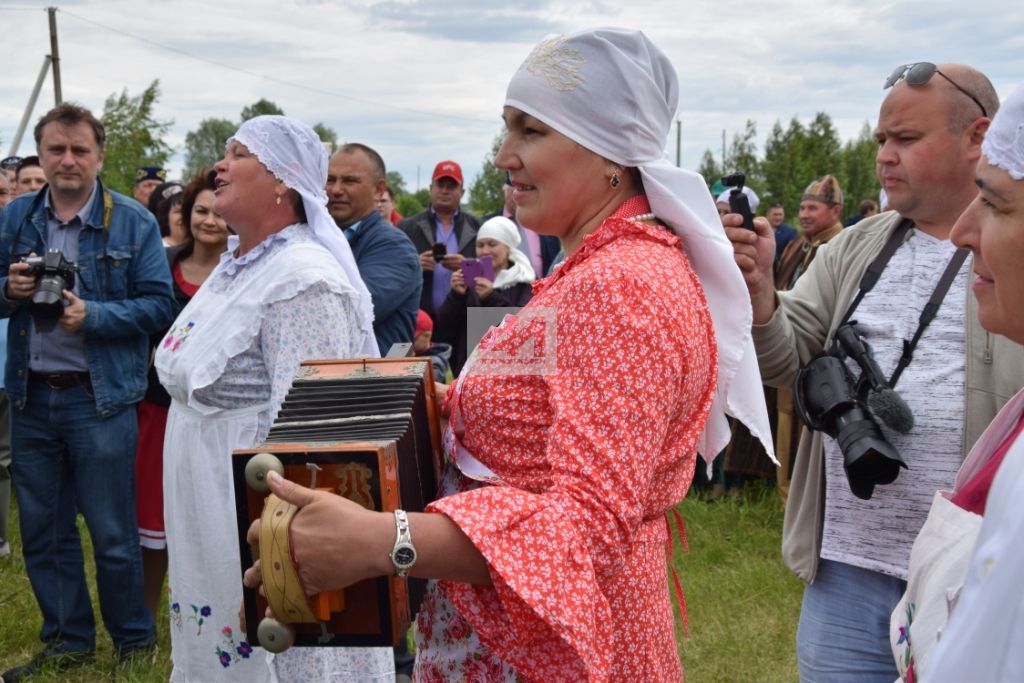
column 877, row 534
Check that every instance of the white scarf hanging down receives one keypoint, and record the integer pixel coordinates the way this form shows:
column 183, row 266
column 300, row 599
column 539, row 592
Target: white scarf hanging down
column 615, row 93
column 292, row 151
column 519, row 268
column 1004, row 141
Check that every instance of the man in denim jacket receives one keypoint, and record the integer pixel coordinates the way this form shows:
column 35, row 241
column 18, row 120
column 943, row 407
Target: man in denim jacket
column 73, row 379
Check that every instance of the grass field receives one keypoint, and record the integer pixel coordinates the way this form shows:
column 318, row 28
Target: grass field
column 742, row 602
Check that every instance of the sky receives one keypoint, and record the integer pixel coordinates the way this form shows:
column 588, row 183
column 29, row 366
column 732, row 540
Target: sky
column 424, row 80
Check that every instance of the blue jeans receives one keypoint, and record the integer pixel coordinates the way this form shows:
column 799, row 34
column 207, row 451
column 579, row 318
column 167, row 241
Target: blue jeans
column 844, row 625
column 67, row 460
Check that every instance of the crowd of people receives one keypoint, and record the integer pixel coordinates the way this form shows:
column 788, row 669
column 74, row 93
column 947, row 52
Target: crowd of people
column 859, row 365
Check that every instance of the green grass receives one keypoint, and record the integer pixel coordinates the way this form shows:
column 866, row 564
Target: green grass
column 20, row 622
column 743, row 604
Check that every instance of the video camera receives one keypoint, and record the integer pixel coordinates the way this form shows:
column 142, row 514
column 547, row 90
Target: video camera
column 829, row 399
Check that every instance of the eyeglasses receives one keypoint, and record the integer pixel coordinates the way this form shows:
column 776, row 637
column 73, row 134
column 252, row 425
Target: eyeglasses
column 920, row 73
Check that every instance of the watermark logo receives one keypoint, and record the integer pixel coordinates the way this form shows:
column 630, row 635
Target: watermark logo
column 512, row 341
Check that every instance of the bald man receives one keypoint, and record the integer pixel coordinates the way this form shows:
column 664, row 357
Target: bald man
column 853, row 548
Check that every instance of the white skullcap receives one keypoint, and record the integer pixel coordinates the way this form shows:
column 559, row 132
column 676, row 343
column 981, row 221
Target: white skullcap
column 1004, row 141
column 615, row 93
column 293, row 153
column 501, row 229
column 752, row 197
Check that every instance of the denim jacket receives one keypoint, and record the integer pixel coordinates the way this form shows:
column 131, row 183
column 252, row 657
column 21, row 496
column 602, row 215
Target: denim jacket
column 122, row 277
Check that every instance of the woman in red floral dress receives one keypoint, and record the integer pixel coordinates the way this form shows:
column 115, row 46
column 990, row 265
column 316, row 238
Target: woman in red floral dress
column 576, row 424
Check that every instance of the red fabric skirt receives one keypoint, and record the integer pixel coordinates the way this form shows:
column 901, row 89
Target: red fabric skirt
column 149, row 475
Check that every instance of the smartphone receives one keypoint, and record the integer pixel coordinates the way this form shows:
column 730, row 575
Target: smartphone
column 440, row 250
column 473, row 268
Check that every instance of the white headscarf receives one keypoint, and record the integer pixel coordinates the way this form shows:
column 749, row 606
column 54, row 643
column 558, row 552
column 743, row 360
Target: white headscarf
column 1004, row 142
column 292, row 151
column 752, row 197
column 615, row 93
column 519, row 268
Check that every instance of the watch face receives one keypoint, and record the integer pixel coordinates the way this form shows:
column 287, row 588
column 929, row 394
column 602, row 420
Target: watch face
column 404, row 555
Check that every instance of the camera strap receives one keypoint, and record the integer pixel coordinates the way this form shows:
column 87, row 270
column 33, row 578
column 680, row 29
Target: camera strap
column 874, row 272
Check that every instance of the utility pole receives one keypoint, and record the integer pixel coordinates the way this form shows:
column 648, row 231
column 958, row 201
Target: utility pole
column 31, row 105
column 679, row 143
column 54, row 55
column 724, row 169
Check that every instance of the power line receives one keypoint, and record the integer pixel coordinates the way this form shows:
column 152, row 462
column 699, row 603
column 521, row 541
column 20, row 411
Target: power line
column 319, row 91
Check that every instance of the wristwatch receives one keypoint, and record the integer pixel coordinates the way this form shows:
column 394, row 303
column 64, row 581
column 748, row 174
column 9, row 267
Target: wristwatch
column 403, row 555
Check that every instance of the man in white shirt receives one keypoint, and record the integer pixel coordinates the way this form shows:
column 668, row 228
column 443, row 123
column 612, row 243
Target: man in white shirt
column 853, row 551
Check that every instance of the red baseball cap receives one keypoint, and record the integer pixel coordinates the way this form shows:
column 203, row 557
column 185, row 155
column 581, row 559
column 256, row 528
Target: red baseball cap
column 448, row 169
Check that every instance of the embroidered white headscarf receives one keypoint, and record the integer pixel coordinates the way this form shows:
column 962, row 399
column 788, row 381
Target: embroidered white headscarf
column 292, row 151
column 519, row 268
column 615, row 93
column 1004, row 142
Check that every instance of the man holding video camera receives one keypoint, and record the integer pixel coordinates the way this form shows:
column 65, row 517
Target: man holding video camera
column 853, row 511
column 74, row 373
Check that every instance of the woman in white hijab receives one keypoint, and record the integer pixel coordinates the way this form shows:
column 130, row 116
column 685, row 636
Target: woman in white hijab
column 575, row 425
column 966, row 563
column 497, row 240
column 285, row 291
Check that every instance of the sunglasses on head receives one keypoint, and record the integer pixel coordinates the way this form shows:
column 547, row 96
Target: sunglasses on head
column 920, row 73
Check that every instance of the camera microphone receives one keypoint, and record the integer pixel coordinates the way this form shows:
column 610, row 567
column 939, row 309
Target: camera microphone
column 882, row 399
column 891, row 409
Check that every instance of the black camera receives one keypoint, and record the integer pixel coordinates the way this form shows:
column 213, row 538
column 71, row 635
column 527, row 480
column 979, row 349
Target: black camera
column 829, row 399
column 54, row 274
column 738, row 202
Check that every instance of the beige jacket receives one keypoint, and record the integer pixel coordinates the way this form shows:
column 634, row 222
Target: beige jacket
column 802, row 326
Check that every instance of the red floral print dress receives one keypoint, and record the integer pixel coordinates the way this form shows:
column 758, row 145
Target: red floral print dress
column 589, row 457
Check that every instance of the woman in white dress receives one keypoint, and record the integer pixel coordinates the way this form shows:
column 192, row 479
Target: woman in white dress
column 967, row 560
column 286, row 290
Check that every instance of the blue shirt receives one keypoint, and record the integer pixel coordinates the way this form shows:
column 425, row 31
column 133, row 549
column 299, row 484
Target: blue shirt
column 442, row 276
column 350, row 231
column 59, row 350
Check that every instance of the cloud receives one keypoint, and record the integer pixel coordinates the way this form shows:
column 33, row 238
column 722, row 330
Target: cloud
column 466, row 20
column 424, row 80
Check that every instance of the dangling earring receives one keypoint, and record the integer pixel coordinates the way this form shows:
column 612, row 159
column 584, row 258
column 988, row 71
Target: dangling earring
column 279, row 200
column 614, row 182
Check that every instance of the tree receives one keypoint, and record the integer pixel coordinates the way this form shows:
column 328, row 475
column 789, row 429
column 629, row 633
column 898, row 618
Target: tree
column 412, row 204
column 742, row 155
column 785, row 171
column 822, row 147
column 327, row 135
column 709, row 168
column 397, row 184
column 204, row 146
column 487, row 193
column 260, row 108
column 858, row 168
column 134, row 137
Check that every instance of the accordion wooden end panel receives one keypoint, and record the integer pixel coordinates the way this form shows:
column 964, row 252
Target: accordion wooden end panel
column 366, row 430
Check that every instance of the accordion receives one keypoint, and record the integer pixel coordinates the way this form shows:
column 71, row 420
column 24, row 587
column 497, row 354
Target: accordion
column 365, row 429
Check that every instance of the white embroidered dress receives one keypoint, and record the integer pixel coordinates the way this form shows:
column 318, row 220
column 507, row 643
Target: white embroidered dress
column 227, row 363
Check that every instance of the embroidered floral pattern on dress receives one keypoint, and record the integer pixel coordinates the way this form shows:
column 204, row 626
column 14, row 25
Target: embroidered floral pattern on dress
column 228, row 652
column 575, row 540
column 176, row 619
column 177, row 336
column 199, row 615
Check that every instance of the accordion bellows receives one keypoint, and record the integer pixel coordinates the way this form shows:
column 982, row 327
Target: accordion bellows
column 368, row 430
